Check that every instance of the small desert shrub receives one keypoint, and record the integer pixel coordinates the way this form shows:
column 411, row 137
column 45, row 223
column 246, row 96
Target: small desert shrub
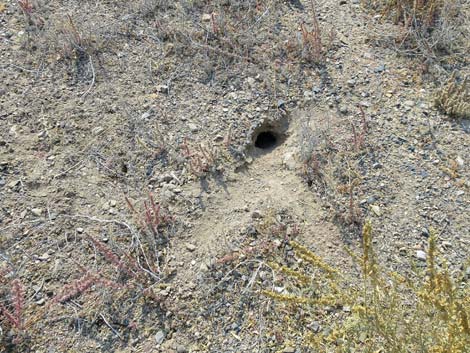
column 453, row 98
column 382, row 312
column 435, row 30
column 11, row 308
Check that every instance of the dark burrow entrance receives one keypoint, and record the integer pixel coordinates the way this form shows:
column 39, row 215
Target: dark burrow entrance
column 266, row 140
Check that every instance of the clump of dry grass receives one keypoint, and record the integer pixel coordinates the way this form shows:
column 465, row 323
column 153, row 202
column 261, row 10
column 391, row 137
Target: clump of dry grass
column 383, row 312
column 453, row 98
column 434, row 30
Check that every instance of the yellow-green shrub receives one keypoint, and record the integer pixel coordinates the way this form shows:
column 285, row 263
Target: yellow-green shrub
column 386, row 311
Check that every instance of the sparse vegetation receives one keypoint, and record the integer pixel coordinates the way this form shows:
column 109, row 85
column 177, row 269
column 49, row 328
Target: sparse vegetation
column 185, row 176
column 329, row 163
column 453, row 98
column 428, row 311
column 11, row 308
column 436, row 31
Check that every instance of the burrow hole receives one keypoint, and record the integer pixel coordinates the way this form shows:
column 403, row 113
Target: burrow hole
column 266, row 140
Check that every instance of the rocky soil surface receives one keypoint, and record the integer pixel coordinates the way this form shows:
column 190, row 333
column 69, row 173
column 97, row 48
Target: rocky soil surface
column 243, row 142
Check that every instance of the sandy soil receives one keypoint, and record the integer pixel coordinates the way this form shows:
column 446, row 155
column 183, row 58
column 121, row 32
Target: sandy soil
column 103, row 104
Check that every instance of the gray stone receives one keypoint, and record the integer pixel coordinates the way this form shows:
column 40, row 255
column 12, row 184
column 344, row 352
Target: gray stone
column 251, row 81
column 193, row 127
column 315, row 327
column 377, row 166
column 44, row 257
column 421, row 255
column 289, row 161
column 146, row 115
column 97, row 130
column 380, row 68
column 371, row 200
column 41, row 302
column 160, row 337
column 181, row 349
column 37, row 212
column 163, row 89
column 190, row 247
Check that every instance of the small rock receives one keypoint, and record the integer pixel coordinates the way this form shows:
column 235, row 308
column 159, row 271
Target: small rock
column 421, row 255
column 256, row 214
column 147, row 114
column 160, row 337
column 163, row 89
column 206, row 17
column 41, row 301
column 379, row 69
column 193, row 127
column 289, row 350
column 203, row 267
column 80, row 230
column 191, row 247
column 315, row 327
column 289, row 161
column 343, row 109
column 251, row 230
column 251, row 81
column 425, row 232
column 376, row 210
column 166, row 178
column 409, row 103
column 351, row 83
column 112, row 203
column 371, row 199
column 459, row 161
column 181, row 349
column 13, row 131
column 44, row 257
column 308, row 95
column 13, row 183
column 446, row 244
column 97, row 130
column 377, row 166
column 37, row 212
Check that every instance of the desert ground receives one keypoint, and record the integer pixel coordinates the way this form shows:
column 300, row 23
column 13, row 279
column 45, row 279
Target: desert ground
column 189, row 176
